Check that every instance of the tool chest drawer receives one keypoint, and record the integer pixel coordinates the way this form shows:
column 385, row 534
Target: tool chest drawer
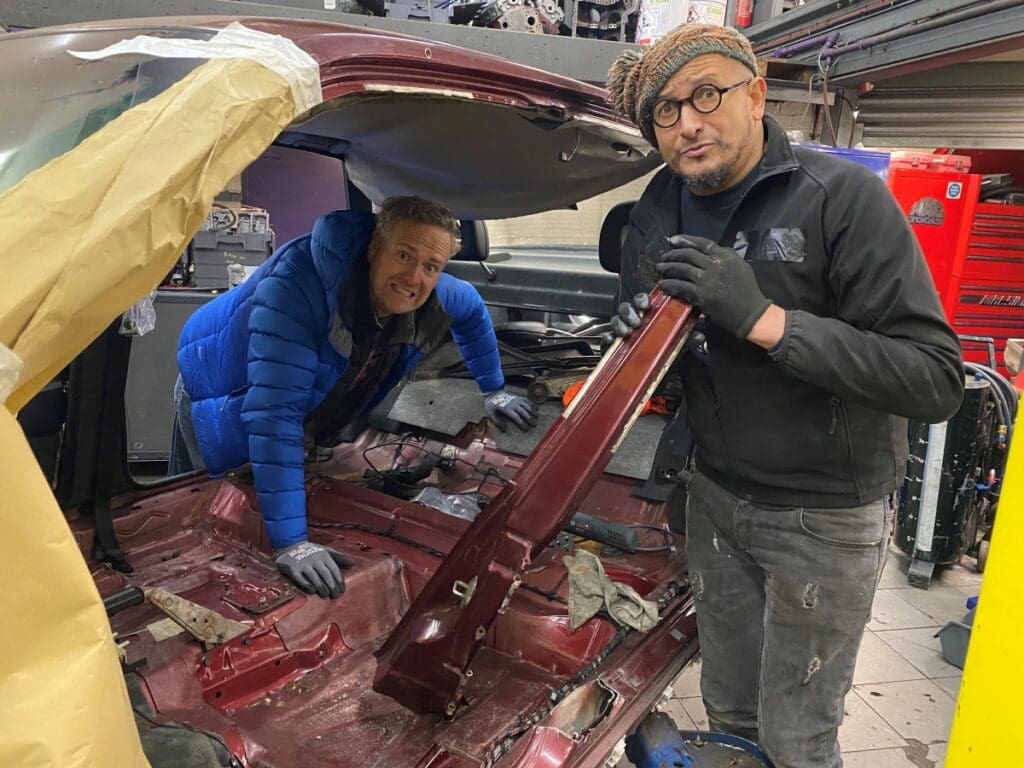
column 995, row 251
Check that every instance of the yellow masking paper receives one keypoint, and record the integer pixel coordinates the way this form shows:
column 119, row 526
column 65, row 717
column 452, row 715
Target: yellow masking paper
column 85, row 237
column 91, row 232
column 64, row 700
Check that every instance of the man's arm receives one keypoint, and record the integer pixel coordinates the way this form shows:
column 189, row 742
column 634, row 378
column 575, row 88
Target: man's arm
column 284, row 337
column 474, row 334
column 282, row 363
column 889, row 346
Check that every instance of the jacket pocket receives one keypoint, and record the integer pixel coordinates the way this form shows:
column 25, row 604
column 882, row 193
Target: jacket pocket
column 839, row 428
column 877, row 449
column 850, row 528
column 780, row 244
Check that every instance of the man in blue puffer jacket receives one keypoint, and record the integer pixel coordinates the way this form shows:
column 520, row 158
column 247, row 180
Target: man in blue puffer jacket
column 317, row 336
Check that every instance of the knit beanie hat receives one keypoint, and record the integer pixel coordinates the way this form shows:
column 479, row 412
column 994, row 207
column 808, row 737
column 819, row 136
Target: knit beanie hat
column 636, row 78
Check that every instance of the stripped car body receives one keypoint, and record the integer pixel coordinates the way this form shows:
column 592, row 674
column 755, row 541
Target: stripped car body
column 512, row 686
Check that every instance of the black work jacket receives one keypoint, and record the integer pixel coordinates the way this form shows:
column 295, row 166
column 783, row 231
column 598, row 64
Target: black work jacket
column 821, row 421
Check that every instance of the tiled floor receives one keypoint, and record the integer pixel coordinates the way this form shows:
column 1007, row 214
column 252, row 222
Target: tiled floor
column 900, row 710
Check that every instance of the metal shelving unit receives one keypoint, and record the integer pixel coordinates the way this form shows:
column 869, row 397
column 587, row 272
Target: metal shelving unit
column 878, row 39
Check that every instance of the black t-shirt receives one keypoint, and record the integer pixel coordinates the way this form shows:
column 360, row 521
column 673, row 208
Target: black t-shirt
column 708, row 215
column 376, row 345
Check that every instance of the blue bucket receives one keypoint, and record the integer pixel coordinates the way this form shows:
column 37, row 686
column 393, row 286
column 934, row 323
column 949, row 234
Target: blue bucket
column 658, row 742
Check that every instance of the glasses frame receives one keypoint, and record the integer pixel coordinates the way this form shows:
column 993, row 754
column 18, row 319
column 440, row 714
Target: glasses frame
column 689, row 100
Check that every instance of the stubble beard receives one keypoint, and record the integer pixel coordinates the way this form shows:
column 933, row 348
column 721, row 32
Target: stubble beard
column 711, row 180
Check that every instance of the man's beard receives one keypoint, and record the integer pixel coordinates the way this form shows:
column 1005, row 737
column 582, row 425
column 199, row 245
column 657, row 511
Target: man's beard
column 711, row 180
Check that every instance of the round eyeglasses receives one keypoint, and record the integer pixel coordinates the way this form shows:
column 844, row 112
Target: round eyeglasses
column 705, row 99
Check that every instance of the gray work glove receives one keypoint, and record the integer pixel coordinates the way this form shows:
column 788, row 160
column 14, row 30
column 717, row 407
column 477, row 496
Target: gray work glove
column 313, row 568
column 714, row 278
column 630, row 314
column 502, row 406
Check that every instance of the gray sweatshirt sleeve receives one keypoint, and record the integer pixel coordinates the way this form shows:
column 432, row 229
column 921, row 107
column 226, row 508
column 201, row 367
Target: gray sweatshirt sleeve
column 888, row 347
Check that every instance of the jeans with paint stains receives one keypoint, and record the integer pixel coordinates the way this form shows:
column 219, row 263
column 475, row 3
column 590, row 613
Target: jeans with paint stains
column 782, row 596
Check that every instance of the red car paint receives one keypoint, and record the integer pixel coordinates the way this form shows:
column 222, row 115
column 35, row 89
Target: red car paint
column 296, row 688
column 425, row 663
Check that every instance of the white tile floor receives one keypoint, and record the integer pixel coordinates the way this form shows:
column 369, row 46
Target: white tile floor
column 900, row 710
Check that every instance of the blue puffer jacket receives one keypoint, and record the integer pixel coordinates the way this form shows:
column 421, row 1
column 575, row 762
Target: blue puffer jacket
column 258, row 360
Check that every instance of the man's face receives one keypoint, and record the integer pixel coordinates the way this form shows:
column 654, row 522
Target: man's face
column 712, row 152
column 405, row 266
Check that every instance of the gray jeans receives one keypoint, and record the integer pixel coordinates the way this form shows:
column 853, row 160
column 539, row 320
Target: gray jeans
column 782, row 600
column 185, row 455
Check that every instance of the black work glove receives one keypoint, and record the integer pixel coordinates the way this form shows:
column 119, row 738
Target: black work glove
column 502, row 406
column 630, row 314
column 313, row 568
column 714, row 278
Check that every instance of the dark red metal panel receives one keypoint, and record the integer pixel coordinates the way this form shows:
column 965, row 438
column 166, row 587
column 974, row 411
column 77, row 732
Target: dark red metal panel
column 289, row 693
column 351, row 56
column 426, row 662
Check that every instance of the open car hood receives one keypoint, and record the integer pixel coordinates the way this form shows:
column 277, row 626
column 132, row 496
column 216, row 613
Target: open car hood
column 490, row 138
column 485, row 160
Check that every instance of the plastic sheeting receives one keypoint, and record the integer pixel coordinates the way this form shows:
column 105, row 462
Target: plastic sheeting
column 84, row 238
column 233, row 42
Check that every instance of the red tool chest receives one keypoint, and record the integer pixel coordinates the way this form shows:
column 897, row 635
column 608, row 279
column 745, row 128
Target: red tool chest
column 975, row 250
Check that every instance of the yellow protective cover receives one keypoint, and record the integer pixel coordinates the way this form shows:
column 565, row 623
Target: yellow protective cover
column 84, row 238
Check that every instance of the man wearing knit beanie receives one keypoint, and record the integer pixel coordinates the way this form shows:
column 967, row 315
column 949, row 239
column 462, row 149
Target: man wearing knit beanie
column 824, row 334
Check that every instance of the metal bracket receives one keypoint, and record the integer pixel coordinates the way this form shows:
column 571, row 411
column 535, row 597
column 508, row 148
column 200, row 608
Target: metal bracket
column 464, row 591
column 207, row 626
column 517, row 582
column 920, row 573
